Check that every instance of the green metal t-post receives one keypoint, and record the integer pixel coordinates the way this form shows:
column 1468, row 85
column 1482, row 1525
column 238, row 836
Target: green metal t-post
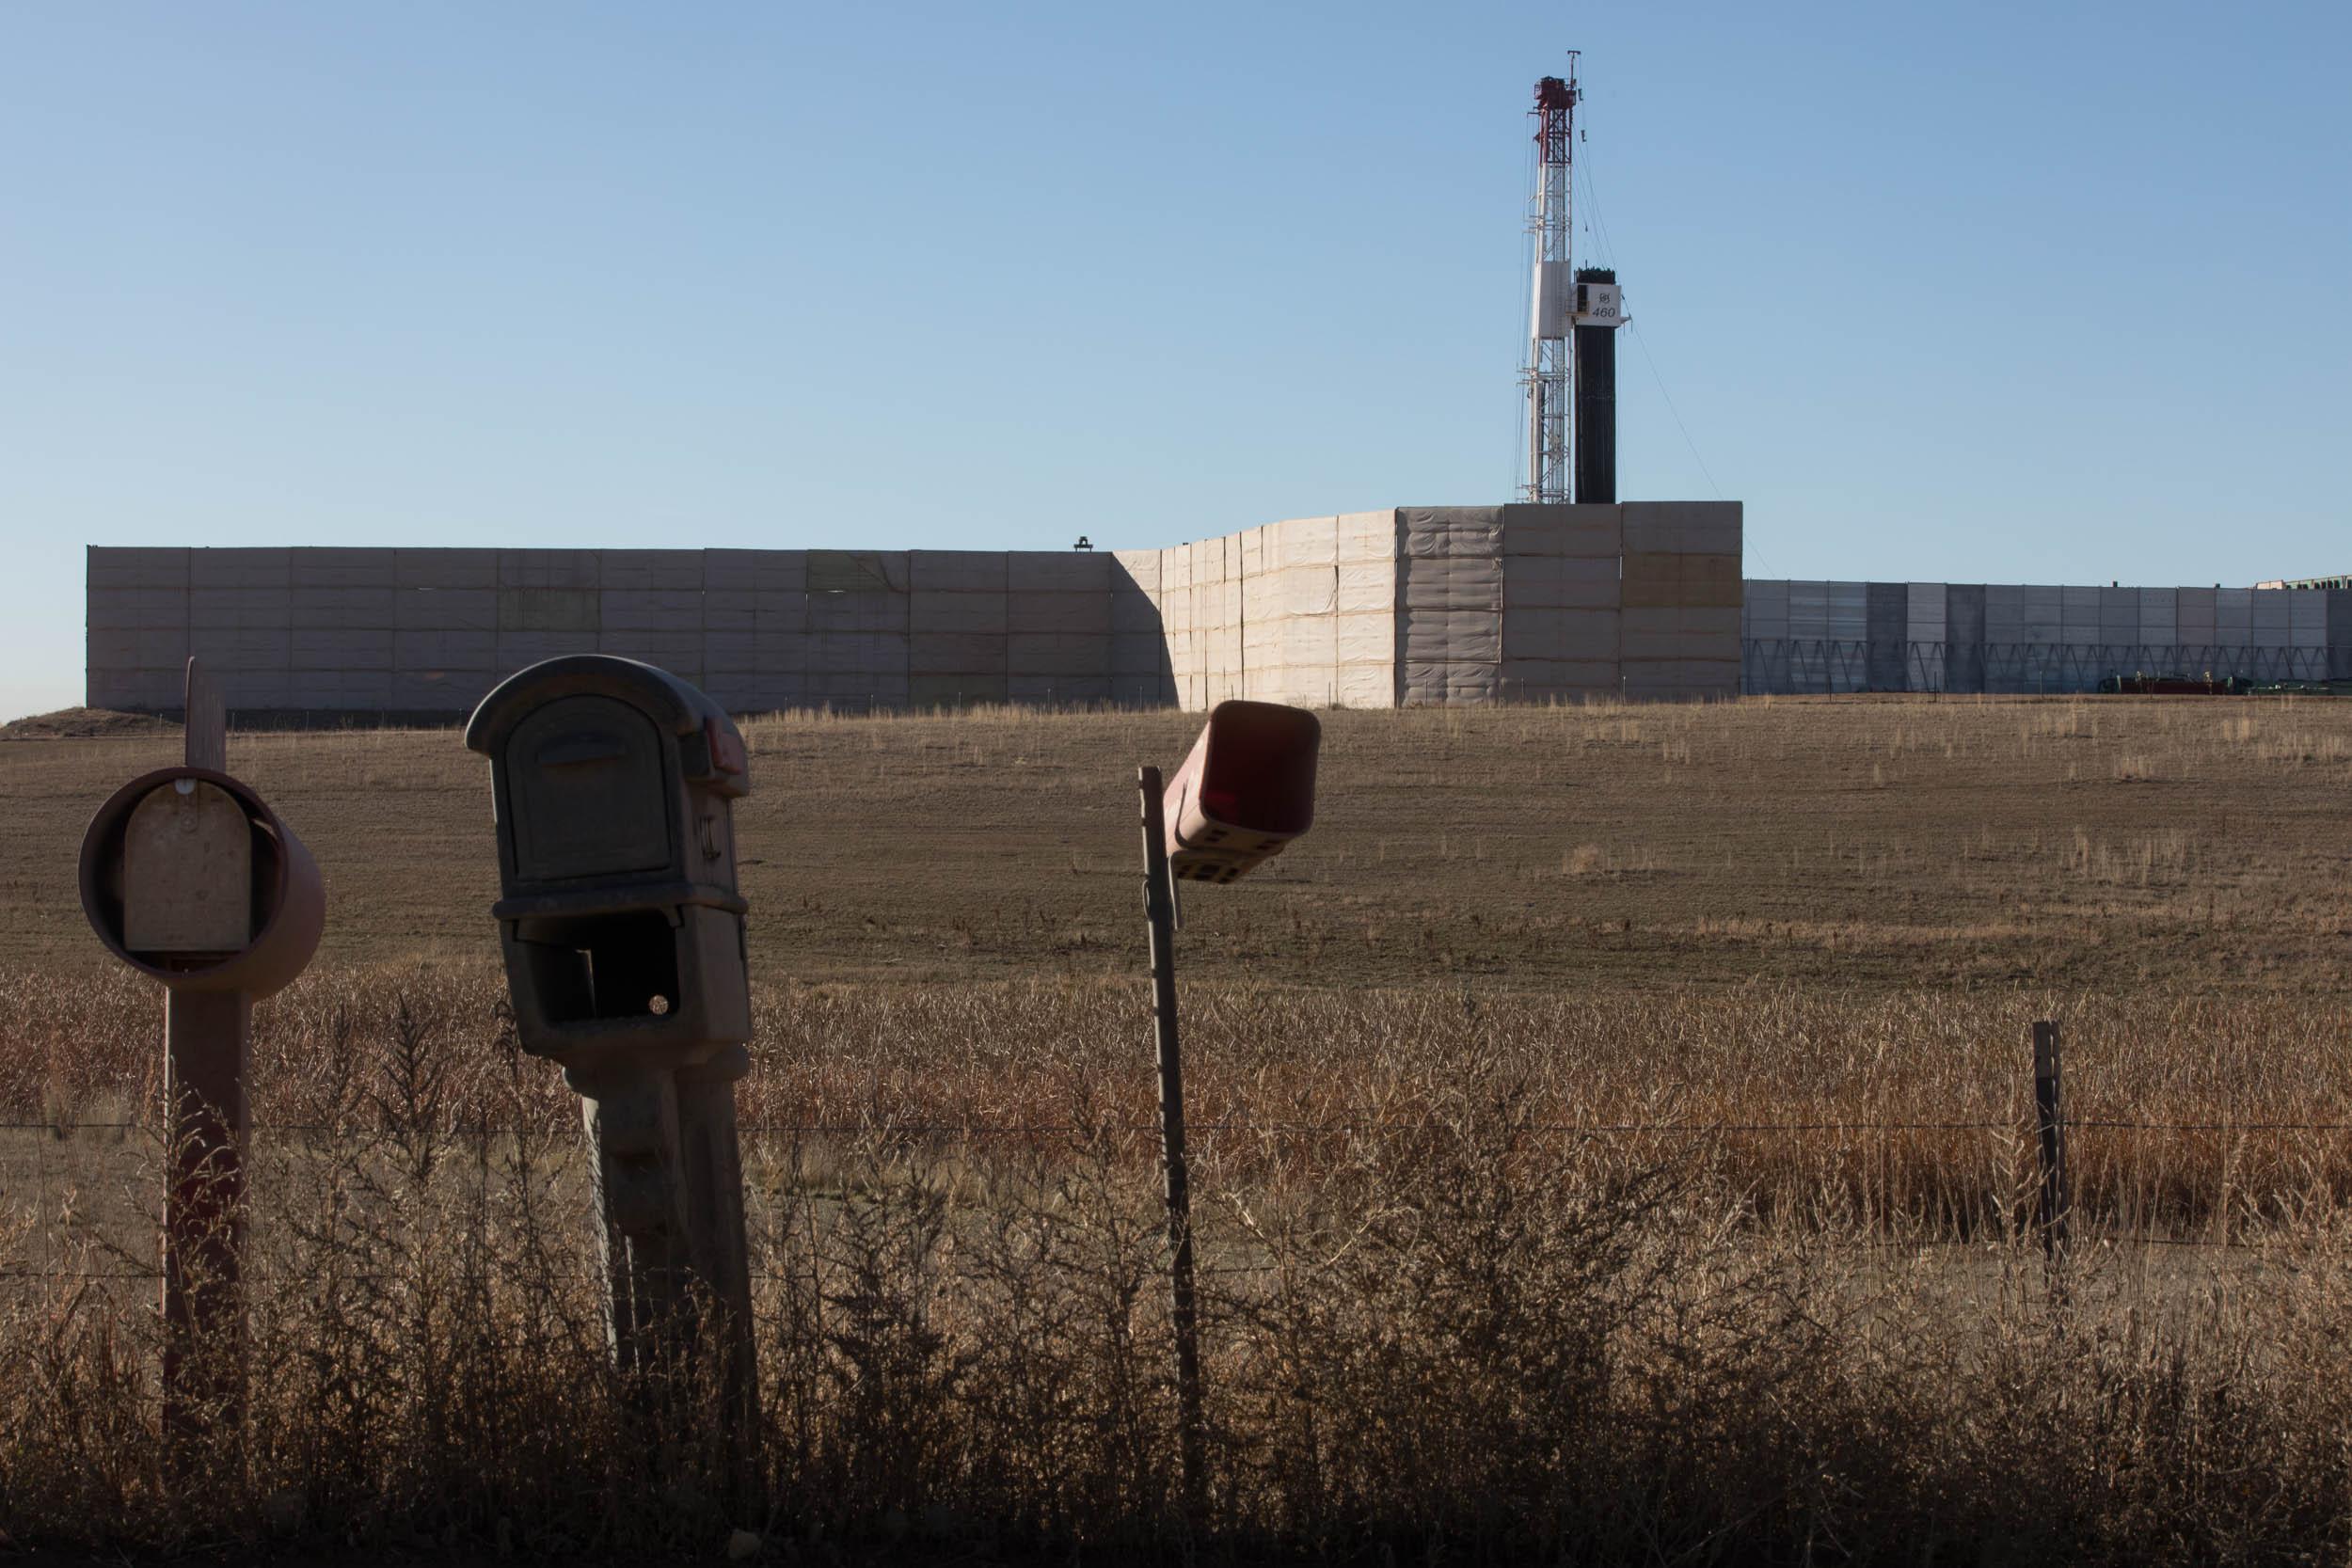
column 1159, row 903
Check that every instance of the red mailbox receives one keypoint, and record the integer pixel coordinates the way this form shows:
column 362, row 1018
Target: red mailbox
column 1246, row 791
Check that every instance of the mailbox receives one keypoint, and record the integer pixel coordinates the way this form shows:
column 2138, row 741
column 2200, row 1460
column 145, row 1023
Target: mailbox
column 1246, row 791
column 188, row 878
column 612, row 782
column 619, row 918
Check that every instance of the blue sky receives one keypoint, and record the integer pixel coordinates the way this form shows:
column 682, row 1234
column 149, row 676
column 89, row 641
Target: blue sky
column 1983, row 293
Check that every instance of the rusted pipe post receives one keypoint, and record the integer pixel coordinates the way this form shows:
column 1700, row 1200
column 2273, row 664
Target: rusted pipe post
column 1159, row 904
column 207, row 1039
column 2057, row 1201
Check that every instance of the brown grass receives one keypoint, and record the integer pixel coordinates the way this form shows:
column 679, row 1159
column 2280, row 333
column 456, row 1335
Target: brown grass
column 1631, row 1161
column 2065, row 845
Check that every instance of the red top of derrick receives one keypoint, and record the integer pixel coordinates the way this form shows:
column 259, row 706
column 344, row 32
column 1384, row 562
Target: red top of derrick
column 1553, row 93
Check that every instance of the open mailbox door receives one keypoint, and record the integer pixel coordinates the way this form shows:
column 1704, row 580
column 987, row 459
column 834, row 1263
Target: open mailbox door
column 1247, row 790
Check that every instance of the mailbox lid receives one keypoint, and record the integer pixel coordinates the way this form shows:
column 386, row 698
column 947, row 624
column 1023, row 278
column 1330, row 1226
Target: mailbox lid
column 589, row 790
column 710, row 749
column 187, row 872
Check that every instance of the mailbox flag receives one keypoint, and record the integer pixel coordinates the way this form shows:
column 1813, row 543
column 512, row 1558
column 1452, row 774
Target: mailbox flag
column 1246, row 791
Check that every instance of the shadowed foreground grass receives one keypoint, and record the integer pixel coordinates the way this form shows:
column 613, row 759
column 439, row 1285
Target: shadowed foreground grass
column 1454, row 1307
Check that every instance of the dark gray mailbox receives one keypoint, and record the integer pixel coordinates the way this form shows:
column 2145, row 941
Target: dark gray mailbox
column 626, row 958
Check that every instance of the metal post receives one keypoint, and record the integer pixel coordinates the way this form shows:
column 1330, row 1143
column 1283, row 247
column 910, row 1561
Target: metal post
column 206, row 1036
column 2055, row 1200
column 1159, row 903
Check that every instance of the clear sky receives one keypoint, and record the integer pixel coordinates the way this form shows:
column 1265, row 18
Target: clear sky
column 1993, row 292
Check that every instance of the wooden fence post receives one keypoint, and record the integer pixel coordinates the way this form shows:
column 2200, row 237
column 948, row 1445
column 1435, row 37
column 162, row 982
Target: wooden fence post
column 2057, row 1199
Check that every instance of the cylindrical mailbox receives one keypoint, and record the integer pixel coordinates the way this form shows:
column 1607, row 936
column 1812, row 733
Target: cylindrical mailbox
column 189, row 878
column 1247, row 790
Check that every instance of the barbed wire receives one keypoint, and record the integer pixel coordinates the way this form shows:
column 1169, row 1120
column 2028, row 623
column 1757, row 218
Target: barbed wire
column 983, row 1129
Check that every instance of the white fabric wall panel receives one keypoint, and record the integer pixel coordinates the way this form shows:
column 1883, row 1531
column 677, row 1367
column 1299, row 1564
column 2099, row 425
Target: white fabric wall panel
column 445, row 609
column 1588, row 532
column 1058, row 654
column 2307, row 616
column 1538, row 679
column 141, row 691
column 873, row 688
column 138, row 648
column 331, row 608
column 1133, row 613
column 548, row 568
column 1449, row 532
column 937, row 611
column 931, row 653
column 1581, row 636
column 342, row 648
column 436, row 691
column 241, row 607
column 1849, row 610
column 130, row 608
column 958, row 570
column 955, row 690
column 671, row 610
column 1307, row 589
column 1058, row 571
column 1687, row 528
column 1308, row 541
column 2197, row 616
column 1368, row 684
column 259, row 568
column 1138, row 654
column 107, row 566
column 1138, row 570
column 730, row 609
column 2273, row 618
column 445, row 569
column 1444, row 684
column 1366, row 638
column 2234, row 616
column 1036, row 611
column 1060, row 690
column 1142, row 691
column 651, row 569
column 763, row 691
column 1451, row 583
column 1564, row 583
column 1451, row 636
column 519, row 649
column 754, row 652
column 857, row 612
column 1368, row 536
column 473, row 650
column 678, row 650
column 1682, row 680
column 243, row 647
column 336, row 566
column 1359, row 586
column 838, row 653
column 759, row 571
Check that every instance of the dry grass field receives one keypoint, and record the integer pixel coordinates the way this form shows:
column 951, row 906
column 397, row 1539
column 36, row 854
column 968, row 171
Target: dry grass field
column 1613, row 1131
column 1864, row 845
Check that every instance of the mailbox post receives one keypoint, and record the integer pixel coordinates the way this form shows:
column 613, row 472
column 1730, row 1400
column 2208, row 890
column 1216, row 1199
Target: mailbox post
column 1247, row 790
column 626, row 962
column 189, row 879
